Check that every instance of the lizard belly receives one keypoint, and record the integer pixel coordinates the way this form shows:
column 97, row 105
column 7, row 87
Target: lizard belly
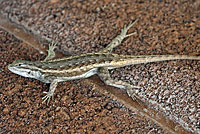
column 84, row 75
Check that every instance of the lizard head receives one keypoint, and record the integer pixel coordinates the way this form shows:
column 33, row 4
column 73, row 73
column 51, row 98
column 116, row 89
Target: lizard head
column 24, row 68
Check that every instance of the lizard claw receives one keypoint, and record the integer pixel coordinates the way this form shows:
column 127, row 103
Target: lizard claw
column 132, row 94
column 126, row 28
column 52, row 46
column 47, row 97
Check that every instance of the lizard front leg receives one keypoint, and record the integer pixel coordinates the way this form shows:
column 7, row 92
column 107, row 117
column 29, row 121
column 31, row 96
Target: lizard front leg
column 51, row 53
column 117, row 40
column 51, row 91
column 105, row 76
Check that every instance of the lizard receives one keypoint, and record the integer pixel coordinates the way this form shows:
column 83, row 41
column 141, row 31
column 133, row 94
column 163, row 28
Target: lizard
column 81, row 66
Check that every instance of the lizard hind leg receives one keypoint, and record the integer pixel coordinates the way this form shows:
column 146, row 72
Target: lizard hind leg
column 117, row 40
column 105, row 76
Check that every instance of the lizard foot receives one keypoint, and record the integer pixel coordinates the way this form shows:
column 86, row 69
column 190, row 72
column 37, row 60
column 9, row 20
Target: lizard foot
column 47, row 97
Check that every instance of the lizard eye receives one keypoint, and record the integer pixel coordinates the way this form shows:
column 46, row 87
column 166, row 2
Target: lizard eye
column 19, row 64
